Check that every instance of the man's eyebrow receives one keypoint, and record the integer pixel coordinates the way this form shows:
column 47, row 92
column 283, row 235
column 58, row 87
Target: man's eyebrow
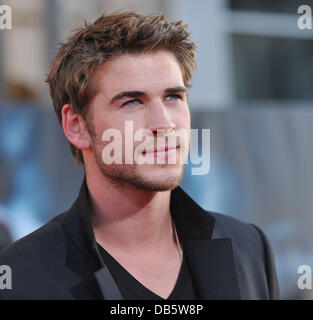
column 129, row 94
column 136, row 94
column 176, row 90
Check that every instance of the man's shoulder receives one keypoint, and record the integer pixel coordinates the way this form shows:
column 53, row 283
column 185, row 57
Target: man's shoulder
column 27, row 249
column 249, row 242
column 42, row 263
column 226, row 225
column 253, row 256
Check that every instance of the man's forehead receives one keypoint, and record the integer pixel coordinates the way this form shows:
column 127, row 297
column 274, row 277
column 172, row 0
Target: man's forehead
column 134, row 74
column 139, row 67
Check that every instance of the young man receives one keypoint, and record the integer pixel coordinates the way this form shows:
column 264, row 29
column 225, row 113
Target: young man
column 133, row 233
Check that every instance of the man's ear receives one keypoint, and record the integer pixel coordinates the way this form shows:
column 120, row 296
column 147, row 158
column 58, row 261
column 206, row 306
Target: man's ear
column 74, row 128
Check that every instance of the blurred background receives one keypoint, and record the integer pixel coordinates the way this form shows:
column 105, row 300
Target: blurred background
column 253, row 89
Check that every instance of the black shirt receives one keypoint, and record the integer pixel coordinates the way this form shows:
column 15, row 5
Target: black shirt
column 132, row 289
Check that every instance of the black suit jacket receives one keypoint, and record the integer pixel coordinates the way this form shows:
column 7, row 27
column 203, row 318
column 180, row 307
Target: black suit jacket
column 229, row 259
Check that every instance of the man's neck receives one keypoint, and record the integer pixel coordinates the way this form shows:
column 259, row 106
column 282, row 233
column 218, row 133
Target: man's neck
column 128, row 218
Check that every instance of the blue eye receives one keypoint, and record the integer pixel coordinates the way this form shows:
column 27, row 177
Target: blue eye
column 131, row 102
column 173, row 96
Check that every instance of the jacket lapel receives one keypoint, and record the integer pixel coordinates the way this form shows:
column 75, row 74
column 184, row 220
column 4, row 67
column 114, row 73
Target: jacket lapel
column 78, row 226
column 211, row 260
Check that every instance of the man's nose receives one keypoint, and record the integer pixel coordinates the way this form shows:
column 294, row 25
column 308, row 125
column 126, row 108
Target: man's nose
column 159, row 118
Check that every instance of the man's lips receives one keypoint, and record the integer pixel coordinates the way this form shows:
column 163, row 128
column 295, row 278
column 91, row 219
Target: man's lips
column 160, row 149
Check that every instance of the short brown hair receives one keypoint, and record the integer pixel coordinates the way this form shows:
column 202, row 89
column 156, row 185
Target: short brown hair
column 110, row 35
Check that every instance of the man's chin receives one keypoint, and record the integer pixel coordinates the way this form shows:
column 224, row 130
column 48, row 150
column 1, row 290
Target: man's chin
column 159, row 183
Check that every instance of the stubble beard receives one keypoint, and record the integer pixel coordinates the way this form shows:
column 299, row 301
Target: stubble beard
column 130, row 176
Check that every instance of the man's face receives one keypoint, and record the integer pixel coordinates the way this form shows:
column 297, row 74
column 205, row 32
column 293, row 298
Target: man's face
column 147, row 89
